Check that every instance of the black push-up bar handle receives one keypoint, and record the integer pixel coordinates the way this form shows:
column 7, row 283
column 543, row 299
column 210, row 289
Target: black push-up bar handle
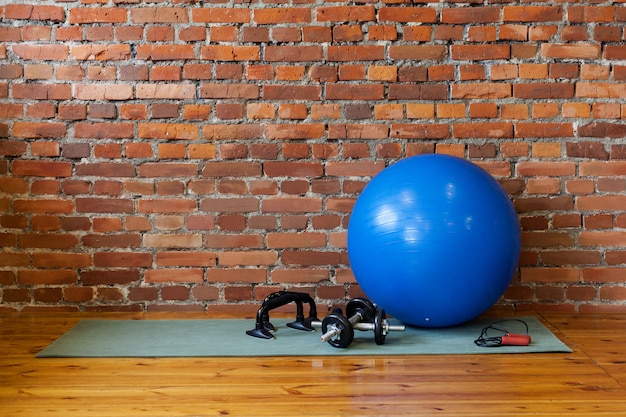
column 263, row 327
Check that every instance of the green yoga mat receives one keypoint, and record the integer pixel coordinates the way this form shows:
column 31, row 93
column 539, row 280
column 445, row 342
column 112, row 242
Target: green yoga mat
column 227, row 337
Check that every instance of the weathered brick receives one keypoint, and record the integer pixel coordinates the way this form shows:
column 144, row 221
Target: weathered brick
column 407, row 14
column 41, row 168
column 418, row 52
column 420, row 131
column 480, row 52
column 341, row 53
column 300, row 131
column 288, row 92
column 354, row 91
column 482, row 90
column 532, row 13
column 345, row 13
column 543, row 130
column 229, row 91
column 602, row 129
column 41, row 52
column 220, row 15
column 145, row 15
column 566, row 51
column 282, row 15
column 291, row 205
column 543, row 91
column 478, row 130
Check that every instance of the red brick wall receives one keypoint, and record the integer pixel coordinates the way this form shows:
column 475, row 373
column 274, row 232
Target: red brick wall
column 189, row 154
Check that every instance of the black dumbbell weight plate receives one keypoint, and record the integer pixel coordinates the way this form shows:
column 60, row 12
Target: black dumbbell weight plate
column 379, row 326
column 363, row 306
column 346, row 331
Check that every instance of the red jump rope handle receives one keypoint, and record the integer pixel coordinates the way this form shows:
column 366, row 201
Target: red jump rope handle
column 513, row 339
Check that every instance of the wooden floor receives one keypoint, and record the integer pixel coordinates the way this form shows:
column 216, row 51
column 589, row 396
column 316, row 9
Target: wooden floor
column 591, row 381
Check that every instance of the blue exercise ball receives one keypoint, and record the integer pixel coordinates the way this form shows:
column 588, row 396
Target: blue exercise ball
column 434, row 240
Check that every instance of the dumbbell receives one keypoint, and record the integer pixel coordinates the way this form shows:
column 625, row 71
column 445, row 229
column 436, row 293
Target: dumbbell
column 362, row 315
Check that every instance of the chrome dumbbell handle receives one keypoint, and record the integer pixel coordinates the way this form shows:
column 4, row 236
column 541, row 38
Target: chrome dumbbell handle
column 367, row 326
column 334, row 331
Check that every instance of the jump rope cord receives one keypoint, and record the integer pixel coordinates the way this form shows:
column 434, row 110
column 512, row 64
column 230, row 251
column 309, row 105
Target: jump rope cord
column 487, row 340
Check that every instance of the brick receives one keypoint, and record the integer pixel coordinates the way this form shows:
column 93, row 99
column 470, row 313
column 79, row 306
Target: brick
column 230, row 205
column 588, row 14
column 470, row 15
column 532, row 14
column 481, row 90
column 420, row 131
column 292, row 169
column 105, row 169
column 543, row 130
column 602, row 129
column 205, row 293
column 343, row 53
column 354, row 168
column 101, row 52
column 296, row 240
column 301, row 275
column 357, row 131
column 603, row 275
column 292, row 92
column 48, row 277
column 354, row 91
column 603, row 169
column 309, row 258
column 282, row 15
column 41, row 52
column 543, row 91
column 168, row 170
column 590, row 150
column 174, row 275
column 382, row 33
column 232, row 275
column 295, row 132
column 170, row 131
column 293, row 53
column 166, row 205
column 103, row 92
column 418, row 92
column 600, row 203
column 567, row 51
column 345, row 13
column 145, row 15
column 407, row 14
column 232, row 169
column 418, row 52
column 98, row 15
column 617, row 52
column 41, row 168
column 248, row 258
column 550, row 275
column 186, row 259
column 221, row 15
column 232, row 91
column 34, row 12
column 479, row 52
column 525, row 205
column 490, row 130
column 172, row 241
column 42, row 206
column 16, row 295
column 532, row 168
column 230, row 53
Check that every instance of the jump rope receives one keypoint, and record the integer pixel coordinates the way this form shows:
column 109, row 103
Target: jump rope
column 496, row 335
